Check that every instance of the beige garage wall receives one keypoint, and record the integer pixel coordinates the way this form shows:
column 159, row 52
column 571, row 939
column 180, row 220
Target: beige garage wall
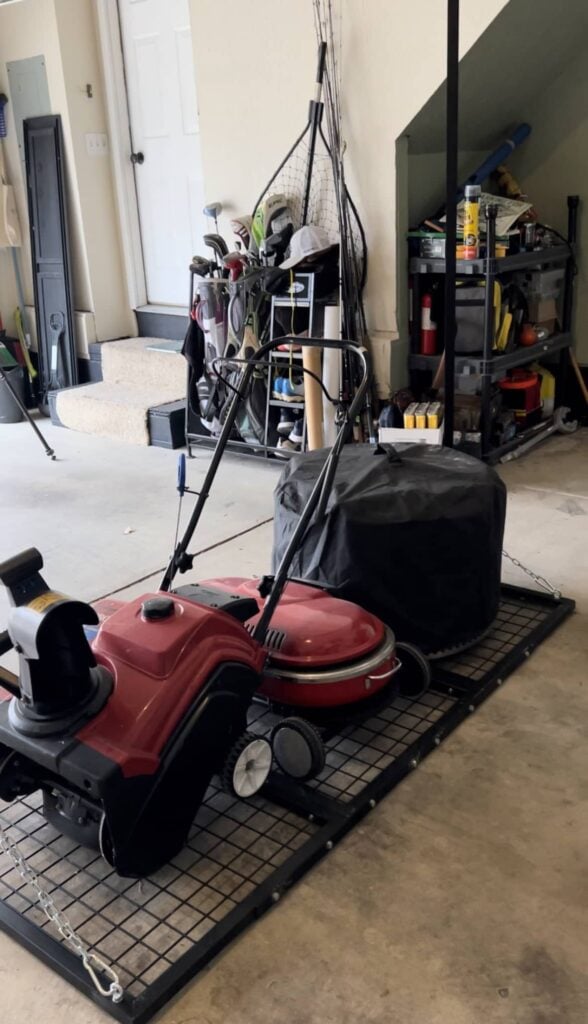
column 65, row 32
column 78, row 39
column 255, row 63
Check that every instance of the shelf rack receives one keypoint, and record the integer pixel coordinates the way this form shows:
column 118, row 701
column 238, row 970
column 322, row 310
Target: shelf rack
column 497, row 365
column 299, row 296
column 491, row 367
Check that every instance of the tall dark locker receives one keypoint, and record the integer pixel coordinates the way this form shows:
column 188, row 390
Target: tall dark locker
column 45, row 169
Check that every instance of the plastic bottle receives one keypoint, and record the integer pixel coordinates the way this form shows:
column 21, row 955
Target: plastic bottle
column 428, row 327
column 471, row 223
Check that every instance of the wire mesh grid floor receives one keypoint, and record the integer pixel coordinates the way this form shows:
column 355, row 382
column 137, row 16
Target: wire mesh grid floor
column 513, row 624
column 241, row 855
column 146, row 926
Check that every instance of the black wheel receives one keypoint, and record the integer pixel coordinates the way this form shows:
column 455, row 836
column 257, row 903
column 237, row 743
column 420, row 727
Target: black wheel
column 414, row 676
column 298, row 748
column 247, row 765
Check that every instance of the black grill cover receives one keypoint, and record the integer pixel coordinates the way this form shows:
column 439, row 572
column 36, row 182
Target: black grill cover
column 411, row 533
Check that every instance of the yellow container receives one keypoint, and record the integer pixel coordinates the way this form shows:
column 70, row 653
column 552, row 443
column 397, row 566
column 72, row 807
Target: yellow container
column 421, row 416
column 547, row 388
column 471, row 222
column 409, row 416
column 434, row 415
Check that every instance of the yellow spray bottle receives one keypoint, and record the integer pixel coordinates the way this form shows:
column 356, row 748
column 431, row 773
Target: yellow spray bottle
column 471, row 222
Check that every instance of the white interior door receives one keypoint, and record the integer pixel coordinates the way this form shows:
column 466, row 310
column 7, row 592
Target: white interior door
column 163, row 111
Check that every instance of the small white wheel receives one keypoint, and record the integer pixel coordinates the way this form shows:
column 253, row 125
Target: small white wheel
column 105, row 842
column 247, row 765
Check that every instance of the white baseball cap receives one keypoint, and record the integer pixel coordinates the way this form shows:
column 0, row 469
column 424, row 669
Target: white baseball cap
column 309, row 240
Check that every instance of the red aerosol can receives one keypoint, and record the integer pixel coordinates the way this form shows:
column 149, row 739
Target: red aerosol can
column 428, row 327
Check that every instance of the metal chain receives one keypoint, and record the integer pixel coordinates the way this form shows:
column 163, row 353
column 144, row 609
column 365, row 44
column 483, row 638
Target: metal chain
column 91, row 961
column 540, row 580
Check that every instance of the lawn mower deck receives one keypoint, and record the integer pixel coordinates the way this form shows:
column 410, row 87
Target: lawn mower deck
column 321, row 651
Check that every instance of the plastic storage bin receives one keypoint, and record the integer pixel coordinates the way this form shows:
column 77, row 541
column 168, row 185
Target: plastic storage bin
column 9, row 410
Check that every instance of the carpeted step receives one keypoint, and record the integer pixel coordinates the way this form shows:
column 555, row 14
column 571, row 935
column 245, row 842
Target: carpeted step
column 115, row 409
column 131, row 361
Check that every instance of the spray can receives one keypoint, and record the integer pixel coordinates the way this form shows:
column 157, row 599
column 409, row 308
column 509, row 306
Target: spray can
column 428, row 327
column 471, row 222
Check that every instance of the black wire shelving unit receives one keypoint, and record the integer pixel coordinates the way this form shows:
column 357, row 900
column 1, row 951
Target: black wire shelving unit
column 492, row 366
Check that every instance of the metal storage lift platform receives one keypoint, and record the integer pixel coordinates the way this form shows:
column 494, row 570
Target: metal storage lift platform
column 242, row 856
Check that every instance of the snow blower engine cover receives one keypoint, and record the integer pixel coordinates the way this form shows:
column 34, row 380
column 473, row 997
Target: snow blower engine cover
column 412, row 533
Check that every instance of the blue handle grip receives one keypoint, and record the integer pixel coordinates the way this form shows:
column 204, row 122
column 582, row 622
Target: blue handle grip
column 181, row 484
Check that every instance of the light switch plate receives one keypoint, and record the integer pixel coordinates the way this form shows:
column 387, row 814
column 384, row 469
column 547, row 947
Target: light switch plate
column 96, row 144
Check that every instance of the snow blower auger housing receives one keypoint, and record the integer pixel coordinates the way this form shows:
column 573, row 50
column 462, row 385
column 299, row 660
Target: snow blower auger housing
column 123, row 724
column 122, row 737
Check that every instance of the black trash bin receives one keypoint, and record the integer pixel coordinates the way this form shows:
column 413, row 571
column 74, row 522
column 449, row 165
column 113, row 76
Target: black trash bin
column 9, row 410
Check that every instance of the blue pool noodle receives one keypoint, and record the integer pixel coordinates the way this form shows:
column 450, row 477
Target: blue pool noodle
column 499, row 156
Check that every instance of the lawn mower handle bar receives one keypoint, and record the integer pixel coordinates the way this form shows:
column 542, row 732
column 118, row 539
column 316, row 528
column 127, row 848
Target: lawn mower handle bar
column 181, row 561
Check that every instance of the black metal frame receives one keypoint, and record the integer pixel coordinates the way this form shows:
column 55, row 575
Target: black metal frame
column 461, row 683
column 451, row 183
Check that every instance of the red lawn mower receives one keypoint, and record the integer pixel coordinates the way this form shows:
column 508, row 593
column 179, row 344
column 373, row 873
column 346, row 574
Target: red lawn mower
column 123, row 726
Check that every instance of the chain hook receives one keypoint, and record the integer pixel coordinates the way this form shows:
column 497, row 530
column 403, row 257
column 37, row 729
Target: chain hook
column 115, row 990
column 540, row 580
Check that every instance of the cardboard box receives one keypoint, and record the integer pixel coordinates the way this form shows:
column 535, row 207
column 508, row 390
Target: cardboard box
column 541, row 310
column 396, row 435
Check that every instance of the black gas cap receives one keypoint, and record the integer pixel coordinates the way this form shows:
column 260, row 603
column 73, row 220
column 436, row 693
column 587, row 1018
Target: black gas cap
column 157, row 608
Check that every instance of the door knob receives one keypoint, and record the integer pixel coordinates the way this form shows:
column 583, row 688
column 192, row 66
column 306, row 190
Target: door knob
column 137, row 158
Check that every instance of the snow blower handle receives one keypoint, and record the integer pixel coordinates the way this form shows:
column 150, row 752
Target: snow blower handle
column 181, row 478
column 320, row 71
column 319, row 497
column 181, row 560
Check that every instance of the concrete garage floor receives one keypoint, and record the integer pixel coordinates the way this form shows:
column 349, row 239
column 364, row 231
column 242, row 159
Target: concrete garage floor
column 462, row 898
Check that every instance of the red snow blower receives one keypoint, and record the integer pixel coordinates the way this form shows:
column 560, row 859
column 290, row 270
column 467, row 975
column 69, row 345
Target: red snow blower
column 124, row 731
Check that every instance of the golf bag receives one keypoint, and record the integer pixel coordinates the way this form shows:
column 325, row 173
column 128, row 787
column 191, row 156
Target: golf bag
column 205, row 342
column 220, row 326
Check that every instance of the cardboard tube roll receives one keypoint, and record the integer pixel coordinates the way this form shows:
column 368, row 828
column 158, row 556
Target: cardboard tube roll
column 311, row 360
column 332, row 327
